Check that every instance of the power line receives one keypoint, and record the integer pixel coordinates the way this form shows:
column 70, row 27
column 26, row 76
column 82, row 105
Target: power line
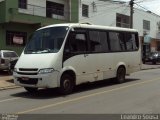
column 147, row 10
column 142, row 1
column 142, row 7
column 144, row 14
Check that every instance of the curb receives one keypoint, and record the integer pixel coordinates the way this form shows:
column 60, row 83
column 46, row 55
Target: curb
column 9, row 87
column 150, row 68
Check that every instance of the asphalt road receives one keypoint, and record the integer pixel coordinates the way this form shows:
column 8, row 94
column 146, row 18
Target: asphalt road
column 139, row 94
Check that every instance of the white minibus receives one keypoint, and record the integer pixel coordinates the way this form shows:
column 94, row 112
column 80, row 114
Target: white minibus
column 65, row 55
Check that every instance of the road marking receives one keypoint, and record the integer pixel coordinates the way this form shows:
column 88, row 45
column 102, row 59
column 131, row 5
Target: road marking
column 9, row 99
column 86, row 96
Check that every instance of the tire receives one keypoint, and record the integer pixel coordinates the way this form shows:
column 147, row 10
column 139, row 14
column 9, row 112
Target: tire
column 66, row 84
column 31, row 90
column 153, row 62
column 121, row 73
column 143, row 61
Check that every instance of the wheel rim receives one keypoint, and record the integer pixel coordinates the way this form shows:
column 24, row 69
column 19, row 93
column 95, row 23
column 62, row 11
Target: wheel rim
column 66, row 84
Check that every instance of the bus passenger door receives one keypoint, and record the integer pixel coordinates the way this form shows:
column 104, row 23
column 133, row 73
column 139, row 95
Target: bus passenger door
column 75, row 56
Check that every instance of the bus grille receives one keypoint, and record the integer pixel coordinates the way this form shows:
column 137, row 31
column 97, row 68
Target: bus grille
column 28, row 71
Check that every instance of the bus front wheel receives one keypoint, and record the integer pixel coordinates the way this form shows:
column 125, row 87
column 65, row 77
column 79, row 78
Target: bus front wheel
column 66, row 84
column 121, row 72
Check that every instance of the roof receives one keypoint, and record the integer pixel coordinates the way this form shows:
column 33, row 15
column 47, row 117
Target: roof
column 90, row 26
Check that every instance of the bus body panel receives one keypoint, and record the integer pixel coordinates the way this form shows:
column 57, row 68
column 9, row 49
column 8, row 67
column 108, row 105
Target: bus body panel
column 79, row 63
column 39, row 61
column 102, row 66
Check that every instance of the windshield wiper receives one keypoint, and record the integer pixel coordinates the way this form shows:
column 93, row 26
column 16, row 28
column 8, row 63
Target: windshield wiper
column 47, row 50
column 29, row 51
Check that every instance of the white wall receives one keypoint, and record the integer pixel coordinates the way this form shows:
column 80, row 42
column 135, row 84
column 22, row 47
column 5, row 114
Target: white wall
column 139, row 16
column 106, row 15
column 39, row 8
column 35, row 8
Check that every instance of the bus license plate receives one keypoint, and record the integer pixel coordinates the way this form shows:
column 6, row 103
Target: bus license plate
column 25, row 78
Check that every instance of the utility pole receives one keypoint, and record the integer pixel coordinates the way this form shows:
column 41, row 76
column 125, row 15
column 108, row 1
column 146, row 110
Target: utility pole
column 131, row 13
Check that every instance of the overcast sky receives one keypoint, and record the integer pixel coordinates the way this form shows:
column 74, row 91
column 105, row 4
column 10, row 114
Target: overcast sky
column 152, row 5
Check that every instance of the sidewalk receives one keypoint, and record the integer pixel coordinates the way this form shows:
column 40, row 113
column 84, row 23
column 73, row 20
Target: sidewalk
column 6, row 81
column 150, row 66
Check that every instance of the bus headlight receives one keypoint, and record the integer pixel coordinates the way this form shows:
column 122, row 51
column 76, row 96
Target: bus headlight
column 46, row 70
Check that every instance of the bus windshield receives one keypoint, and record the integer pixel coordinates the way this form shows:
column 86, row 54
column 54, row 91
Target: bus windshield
column 48, row 40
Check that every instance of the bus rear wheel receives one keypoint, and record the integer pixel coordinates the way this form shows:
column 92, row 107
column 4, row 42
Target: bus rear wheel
column 66, row 84
column 121, row 73
column 31, row 90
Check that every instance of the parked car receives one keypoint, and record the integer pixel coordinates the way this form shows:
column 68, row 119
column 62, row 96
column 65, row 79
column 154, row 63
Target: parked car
column 6, row 56
column 153, row 57
column 11, row 65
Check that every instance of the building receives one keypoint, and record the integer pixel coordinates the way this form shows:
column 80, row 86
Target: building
column 105, row 12
column 20, row 18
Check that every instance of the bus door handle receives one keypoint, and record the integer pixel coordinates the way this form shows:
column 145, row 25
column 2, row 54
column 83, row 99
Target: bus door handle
column 85, row 55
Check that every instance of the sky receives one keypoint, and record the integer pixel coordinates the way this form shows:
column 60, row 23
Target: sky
column 152, row 5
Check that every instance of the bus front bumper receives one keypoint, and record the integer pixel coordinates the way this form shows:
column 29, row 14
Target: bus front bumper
column 49, row 80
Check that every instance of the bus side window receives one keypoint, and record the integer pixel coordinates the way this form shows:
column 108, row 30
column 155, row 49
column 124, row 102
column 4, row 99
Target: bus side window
column 76, row 42
column 136, row 41
column 81, row 42
column 115, row 42
column 122, row 41
column 72, row 42
column 98, row 41
column 131, row 41
column 67, row 49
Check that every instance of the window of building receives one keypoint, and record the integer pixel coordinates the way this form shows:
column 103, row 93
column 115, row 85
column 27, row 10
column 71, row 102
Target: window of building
column 22, row 4
column 54, row 8
column 16, row 38
column 85, row 10
column 146, row 25
column 98, row 41
column 122, row 20
column 116, row 41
